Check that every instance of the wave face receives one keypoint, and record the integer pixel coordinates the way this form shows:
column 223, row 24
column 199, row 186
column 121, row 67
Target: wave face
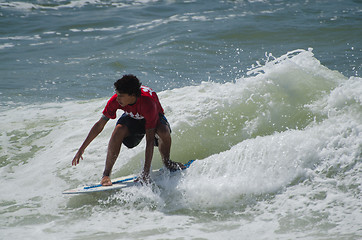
column 278, row 156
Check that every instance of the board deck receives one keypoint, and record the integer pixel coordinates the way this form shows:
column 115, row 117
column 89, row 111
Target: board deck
column 117, row 183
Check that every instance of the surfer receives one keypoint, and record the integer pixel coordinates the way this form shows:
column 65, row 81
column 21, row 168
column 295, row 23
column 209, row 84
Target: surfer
column 143, row 115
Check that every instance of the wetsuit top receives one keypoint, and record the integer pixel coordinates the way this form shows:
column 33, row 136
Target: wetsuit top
column 146, row 107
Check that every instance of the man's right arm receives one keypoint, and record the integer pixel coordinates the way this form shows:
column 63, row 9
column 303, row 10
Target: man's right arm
column 93, row 133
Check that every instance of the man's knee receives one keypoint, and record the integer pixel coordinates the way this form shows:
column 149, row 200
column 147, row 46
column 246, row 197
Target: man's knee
column 120, row 131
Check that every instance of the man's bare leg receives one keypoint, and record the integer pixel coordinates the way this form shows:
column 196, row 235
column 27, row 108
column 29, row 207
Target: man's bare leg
column 114, row 147
column 164, row 146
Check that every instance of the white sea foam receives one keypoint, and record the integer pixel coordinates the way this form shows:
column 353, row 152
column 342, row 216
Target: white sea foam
column 6, row 45
column 57, row 5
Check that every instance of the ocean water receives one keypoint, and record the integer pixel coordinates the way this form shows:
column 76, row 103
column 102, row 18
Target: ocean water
column 265, row 95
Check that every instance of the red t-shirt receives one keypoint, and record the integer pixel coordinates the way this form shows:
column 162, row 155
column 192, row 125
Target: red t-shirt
column 146, row 107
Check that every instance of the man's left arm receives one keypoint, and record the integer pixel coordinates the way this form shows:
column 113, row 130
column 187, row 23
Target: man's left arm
column 150, row 139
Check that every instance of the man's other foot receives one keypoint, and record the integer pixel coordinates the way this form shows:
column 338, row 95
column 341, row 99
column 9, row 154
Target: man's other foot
column 174, row 166
column 106, row 181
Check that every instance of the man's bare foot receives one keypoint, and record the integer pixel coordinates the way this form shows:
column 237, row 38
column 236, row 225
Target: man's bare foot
column 174, row 166
column 143, row 179
column 180, row 165
column 106, row 181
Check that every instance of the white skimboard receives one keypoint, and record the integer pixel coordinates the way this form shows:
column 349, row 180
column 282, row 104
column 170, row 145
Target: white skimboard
column 117, row 183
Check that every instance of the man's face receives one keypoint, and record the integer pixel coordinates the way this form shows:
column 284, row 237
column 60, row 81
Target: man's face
column 125, row 99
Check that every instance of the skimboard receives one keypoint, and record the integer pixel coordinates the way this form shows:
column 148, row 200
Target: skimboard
column 117, row 183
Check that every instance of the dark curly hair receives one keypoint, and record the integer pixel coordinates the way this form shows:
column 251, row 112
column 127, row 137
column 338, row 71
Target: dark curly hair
column 128, row 84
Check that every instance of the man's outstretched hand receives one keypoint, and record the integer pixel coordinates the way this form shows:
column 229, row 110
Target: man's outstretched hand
column 77, row 157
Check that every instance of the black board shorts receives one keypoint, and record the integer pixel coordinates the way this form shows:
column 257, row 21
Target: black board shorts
column 136, row 128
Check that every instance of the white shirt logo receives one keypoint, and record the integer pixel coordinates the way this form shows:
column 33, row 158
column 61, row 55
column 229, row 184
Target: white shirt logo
column 147, row 89
column 137, row 116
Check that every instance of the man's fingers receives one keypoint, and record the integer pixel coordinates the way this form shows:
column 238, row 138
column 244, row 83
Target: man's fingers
column 76, row 160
